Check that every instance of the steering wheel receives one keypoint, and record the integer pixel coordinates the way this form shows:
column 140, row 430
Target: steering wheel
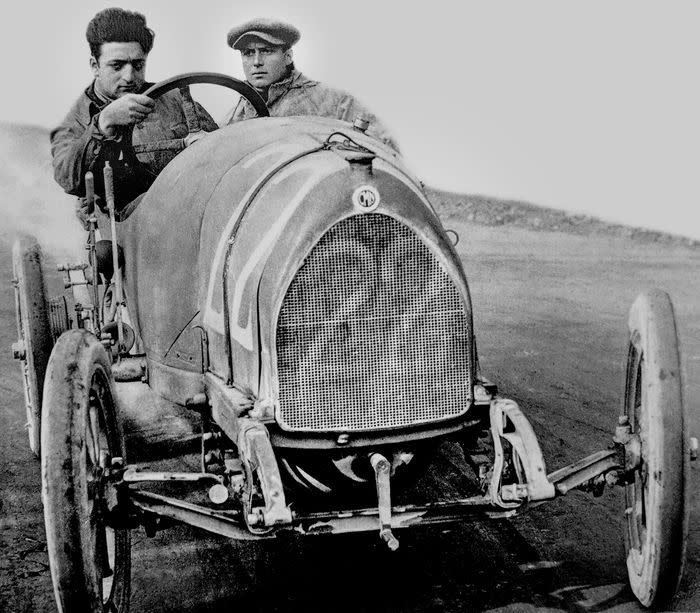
column 124, row 153
column 213, row 78
column 194, row 128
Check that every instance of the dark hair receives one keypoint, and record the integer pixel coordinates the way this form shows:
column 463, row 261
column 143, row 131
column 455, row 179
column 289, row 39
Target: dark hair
column 116, row 25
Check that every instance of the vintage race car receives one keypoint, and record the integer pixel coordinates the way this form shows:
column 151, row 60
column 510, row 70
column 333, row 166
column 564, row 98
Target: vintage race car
column 288, row 282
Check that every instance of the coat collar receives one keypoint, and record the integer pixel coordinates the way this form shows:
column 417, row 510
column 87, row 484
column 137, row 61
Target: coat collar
column 296, row 80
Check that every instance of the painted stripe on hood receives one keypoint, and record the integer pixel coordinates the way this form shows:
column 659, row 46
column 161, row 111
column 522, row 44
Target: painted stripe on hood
column 213, row 318
column 319, row 168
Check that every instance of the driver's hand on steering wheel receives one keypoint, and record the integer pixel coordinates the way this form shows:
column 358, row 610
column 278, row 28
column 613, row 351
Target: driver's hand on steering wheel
column 128, row 110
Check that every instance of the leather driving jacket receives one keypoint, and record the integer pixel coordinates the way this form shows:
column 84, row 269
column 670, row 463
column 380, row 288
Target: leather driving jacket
column 78, row 145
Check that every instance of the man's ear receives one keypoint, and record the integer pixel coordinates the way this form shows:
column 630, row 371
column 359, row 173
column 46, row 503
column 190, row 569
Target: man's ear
column 94, row 66
column 288, row 57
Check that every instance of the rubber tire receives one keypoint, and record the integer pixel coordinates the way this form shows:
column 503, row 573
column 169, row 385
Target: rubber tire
column 33, row 327
column 78, row 366
column 655, row 542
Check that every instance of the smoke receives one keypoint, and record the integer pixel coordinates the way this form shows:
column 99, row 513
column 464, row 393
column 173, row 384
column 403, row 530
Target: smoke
column 30, row 200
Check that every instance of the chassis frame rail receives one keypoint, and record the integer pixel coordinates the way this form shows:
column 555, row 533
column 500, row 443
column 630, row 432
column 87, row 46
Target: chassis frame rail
column 228, row 523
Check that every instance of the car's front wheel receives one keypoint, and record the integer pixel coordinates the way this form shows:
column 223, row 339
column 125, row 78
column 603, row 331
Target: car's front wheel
column 90, row 559
column 655, row 500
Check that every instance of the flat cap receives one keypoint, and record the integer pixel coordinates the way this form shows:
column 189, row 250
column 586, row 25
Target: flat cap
column 272, row 31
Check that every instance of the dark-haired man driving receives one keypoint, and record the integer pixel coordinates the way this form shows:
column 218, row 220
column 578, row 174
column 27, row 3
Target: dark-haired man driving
column 113, row 110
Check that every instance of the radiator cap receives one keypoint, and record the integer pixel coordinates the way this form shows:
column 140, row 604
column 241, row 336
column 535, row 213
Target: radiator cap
column 366, row 198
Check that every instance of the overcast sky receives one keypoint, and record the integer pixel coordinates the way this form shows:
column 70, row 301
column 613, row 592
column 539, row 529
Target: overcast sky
column 587, row 106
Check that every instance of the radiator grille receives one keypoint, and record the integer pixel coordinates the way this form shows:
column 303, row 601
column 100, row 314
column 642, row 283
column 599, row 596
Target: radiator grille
column 372, row 333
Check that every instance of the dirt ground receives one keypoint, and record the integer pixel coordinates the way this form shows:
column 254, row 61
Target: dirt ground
column 550, row 311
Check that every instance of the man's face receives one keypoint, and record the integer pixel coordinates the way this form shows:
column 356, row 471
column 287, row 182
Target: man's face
column 264, row 64
column 120, row 70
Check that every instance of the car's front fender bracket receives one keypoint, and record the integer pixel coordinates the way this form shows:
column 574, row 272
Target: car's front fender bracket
column 509, row 423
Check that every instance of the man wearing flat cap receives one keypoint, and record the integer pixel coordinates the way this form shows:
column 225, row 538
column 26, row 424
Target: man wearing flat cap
column 266, row 53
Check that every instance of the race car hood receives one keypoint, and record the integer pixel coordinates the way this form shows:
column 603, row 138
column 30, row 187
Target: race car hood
column 231, row 220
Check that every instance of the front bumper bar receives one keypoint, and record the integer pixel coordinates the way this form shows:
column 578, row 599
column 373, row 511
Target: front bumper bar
column 511, row 434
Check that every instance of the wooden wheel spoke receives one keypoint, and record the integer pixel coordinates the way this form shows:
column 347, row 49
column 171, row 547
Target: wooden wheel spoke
column 92, row 441
column 102, row 551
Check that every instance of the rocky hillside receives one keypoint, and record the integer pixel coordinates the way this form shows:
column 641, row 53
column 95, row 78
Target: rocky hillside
column 487, row 211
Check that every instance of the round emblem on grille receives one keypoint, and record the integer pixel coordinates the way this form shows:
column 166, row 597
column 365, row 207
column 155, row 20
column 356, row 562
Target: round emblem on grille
column 366, row 198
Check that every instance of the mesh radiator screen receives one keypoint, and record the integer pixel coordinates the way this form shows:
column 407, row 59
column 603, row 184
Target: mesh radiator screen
column 372, row 333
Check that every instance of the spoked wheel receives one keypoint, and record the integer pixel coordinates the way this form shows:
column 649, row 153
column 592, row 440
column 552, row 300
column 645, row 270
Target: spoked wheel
column 656, row 515
column 90, row 561
column 34, row 342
